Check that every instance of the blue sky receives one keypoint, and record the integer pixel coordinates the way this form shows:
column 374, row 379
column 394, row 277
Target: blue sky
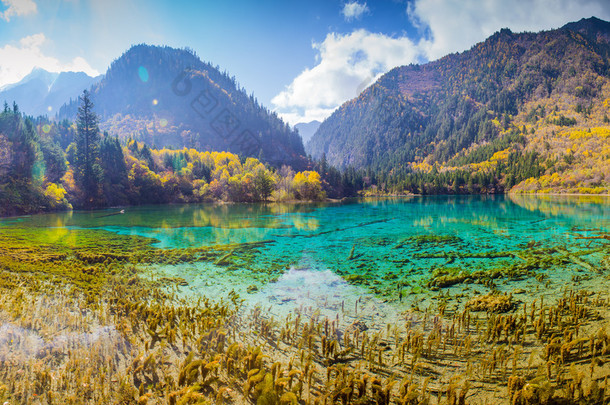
column 300, row 58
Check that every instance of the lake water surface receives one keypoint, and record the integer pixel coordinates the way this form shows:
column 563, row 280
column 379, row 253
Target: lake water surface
column 383, row 253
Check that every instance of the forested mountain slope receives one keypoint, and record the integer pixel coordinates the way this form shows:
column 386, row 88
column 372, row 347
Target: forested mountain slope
column 512, row 108
column 168, row 97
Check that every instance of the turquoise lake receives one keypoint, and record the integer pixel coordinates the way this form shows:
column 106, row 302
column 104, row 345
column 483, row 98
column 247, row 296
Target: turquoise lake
column 382, row 253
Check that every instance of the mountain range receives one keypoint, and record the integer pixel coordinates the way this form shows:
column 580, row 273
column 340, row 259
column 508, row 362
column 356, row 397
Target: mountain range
column 541, row 99
column 513, row 92
column 42, row 92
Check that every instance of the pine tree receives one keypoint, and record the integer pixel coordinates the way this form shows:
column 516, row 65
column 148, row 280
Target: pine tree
column 323, row 165
column 264, row 184
column 88, row 172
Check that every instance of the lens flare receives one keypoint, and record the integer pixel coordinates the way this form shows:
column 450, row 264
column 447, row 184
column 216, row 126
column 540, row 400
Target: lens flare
column 46, row 128
column 163, row 122
column 143, row 73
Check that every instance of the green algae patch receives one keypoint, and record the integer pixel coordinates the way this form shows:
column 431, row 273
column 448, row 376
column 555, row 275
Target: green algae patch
column 87, row 258
column 429, row 241
column 357, row 278
column 446, row 277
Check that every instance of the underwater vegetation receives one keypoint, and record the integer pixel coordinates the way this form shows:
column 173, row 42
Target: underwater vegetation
column 82, row 321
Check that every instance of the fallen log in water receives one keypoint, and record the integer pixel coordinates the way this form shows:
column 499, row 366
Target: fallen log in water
column 223, row 259
column 607, row 237
column 577, row 260
column 111, row 214
column 484, row 255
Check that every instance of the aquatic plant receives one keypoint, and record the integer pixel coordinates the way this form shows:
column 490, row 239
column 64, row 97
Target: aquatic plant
column 86, row 322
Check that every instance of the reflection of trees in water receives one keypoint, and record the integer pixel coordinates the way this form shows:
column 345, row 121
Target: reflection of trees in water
column 587, row 209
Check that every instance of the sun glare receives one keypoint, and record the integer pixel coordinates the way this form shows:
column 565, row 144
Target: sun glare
column 143, row 73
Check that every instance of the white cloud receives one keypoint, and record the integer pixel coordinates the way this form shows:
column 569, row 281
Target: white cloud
column 354, row 10
column 17, row 8
column 346, row 65
column 17, row 61
column 456, row 25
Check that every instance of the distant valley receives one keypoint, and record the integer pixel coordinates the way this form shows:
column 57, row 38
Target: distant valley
column 307, row 129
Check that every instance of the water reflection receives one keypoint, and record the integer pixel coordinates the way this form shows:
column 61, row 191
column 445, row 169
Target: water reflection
column 323, row 293
column 593, row 210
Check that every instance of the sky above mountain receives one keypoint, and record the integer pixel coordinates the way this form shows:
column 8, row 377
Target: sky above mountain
column 300, row 58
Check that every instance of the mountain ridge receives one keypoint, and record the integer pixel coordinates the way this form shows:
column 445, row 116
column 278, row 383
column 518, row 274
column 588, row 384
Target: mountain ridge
column 42, row 92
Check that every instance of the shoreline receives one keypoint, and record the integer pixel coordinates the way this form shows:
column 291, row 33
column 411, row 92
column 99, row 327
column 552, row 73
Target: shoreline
column 325, row 201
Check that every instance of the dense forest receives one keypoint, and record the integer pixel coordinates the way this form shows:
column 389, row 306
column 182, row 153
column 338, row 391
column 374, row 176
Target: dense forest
column 47, row 165
column 526, row 111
